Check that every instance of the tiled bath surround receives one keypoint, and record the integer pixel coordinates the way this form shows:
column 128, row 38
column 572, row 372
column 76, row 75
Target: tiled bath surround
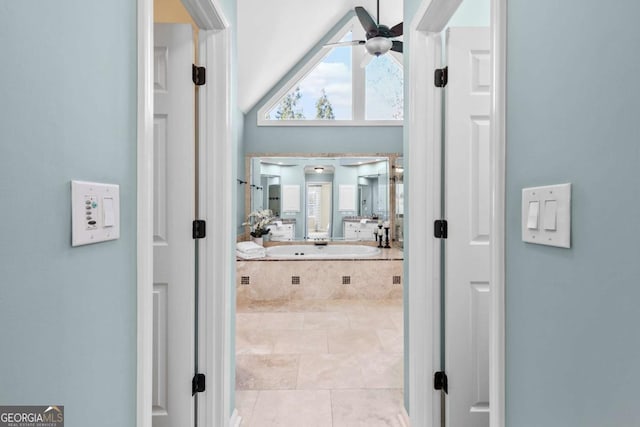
column 259, row 280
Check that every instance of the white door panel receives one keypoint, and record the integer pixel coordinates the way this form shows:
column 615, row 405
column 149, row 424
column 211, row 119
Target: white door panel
column 174, row 254
column 467, row 209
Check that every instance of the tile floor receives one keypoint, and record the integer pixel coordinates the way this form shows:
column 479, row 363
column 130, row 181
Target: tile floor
column 335, row 363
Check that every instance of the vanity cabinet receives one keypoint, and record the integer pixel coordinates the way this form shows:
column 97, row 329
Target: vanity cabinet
column 284, row 233
column 355, row 230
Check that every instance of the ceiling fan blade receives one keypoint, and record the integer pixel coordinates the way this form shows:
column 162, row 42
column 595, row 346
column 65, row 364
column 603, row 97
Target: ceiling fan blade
column 396, row 30
column 397, row 46
column 367, row 22
column 349, row 43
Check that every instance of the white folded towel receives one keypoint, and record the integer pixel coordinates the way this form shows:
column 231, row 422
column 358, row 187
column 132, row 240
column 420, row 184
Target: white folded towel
column 255, row 255
column 363, row 221
column 249, row 247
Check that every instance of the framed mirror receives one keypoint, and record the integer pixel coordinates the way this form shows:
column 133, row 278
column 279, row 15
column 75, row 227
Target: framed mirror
column 323, row 196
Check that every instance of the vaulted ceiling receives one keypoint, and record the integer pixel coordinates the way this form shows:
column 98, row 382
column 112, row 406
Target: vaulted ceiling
column 274, row 35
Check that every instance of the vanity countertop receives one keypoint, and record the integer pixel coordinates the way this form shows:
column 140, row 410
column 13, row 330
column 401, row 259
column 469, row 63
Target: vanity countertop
column 357, row 219
column 284, row 220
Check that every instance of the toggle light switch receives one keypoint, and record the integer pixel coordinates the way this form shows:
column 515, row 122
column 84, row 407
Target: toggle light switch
column 534, row 213
column 550, row 214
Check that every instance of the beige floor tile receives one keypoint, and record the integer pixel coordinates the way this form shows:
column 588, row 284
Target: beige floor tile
column 329, row 371
column 288, row 408
column 370, row 320
column 326, row 320
column 366, row 408
column 391, row 339
column 251, row 341
column 266, row 372
column 382, row 370
column 353, row 341
column 300, row 342
column 377, row 305
column 245, row 402
column 260, row 321
column 398, row 320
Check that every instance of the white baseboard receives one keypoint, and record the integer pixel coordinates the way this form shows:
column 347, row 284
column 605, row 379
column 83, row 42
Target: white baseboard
column 235, row 419
column 403, row 417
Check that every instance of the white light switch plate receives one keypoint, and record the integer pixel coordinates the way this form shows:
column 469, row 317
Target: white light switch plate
column 95, row 212
column 553, row 225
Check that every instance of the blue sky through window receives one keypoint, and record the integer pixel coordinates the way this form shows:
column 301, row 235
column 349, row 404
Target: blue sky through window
column 383, row 97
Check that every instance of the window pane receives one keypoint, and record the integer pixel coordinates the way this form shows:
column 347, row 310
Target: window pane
column 324, row 94
column 384, row 89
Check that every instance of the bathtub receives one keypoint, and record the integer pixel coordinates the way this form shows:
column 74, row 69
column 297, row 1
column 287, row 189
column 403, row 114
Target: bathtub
column 321, row 252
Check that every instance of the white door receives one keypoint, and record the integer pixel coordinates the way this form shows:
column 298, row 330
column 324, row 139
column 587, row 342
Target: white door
column 467, row 210
column 174, row 253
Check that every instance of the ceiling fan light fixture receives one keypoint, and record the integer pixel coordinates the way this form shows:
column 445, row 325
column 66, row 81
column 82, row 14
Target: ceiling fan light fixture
column 378, row 45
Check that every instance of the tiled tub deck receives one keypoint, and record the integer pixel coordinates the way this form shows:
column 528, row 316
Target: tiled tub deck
column 270, row 280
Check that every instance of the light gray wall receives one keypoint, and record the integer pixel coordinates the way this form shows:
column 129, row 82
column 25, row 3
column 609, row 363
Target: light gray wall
column 573, row 100
column 68, row 111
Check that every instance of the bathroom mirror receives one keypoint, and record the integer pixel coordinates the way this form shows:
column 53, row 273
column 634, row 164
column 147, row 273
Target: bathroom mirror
column 323, row 196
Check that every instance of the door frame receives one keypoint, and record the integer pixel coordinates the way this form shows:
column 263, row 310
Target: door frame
column 424, row 156
column 214, row 128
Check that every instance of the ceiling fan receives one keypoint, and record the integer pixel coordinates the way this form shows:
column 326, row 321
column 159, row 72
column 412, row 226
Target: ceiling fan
column 378, row 36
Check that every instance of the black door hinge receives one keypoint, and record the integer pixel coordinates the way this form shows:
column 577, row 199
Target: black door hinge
column 440, row 228
column 441, row 76
column 198, row 75
column 440, row 382
column 197, row 384
column 199, row 229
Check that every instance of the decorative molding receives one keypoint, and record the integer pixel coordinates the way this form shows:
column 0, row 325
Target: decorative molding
column 235, row 419
column 422, row 189
column 144, row 209
column 497, row 360
column 433, row 15
column 217, row 266
column 403, row 418
column 206, row 15
column 431, row 18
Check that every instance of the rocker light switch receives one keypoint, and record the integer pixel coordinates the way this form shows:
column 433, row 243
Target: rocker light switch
column 546, row 215
column 550, row 214
column 534, row 211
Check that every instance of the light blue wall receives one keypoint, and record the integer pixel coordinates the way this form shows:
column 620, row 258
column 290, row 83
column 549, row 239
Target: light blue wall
column 68, row 111
column 573, row 99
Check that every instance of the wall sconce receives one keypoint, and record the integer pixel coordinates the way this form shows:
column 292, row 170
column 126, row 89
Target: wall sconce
column 318, row 169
